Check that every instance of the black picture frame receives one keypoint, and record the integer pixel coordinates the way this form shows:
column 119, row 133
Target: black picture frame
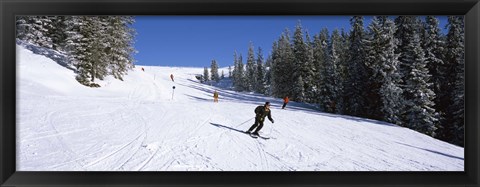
column 10, row 8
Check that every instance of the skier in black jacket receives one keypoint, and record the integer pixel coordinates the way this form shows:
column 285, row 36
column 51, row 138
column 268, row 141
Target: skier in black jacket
column 261, row 112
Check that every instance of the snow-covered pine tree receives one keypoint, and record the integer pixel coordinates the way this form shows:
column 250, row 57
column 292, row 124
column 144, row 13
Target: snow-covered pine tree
column 22, row 27
column 214, row 71
column 298, row 89
column 342, row 70
column 241, row 76
column 77, row 46
column 420, row 114
column 205, row 75
column 299, row 65
column 434, row 47
column 268, row 75
column 250, row 75
column 309, row 73
column 260, row 73
column 230, row 71
column 383, row 61
column 374, row 61
column 320, row 48
column 86, row 45
column 58, row 33
column 120, row 37
column 238, row 73
column 223, row 75
column 98, row 43
column 35, row 30
column 407, row 26
column 274, row 84
column 355, row 85
column 234, row 74
column 456, row 58
column 283, row 67
column 332, row 92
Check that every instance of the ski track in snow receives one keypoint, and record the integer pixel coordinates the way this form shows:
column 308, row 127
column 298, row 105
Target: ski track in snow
column 142, row 124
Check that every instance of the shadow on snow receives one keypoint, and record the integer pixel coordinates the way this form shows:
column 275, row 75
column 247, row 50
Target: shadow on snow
column 257, row 99
column 226, row 127
column 432, row 151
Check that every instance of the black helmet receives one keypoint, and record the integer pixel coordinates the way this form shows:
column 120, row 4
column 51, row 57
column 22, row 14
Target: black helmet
column 267, row 103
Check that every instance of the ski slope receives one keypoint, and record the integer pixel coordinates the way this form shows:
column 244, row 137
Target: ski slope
column 142, row 124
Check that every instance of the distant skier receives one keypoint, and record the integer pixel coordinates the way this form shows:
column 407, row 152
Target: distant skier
column 171, row 77
column 215, row 96
column 285, row 101
column 143, row 69
column 261, row 112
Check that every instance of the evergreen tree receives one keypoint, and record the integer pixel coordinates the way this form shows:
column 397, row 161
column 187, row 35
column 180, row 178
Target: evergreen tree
column 234, row 75
column 268, row 76
column 230, row 71
column 332, row 92
column 310, row 72
column 205, row 75
column 119, row 39
column 384, row 64
column 58, row 32
column 282, row 67
column 407, row 27
column 96, row 46
column 342, row 70
column 35, row 30
column 240, row 75
column 214, row 71
column 374, row 45
column 77, row 44
column 310, row 83
column 320, row 55
column 420, row 114
column 250, row 70
column 434, row 47
column 275, row 70
column 355, row 85
column 299, row 65
column 22, row 27
column 455, row 58
column 260, row 73
column 298, row 88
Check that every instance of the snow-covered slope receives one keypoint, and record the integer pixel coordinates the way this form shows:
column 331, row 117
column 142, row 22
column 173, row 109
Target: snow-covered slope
column 142, row 124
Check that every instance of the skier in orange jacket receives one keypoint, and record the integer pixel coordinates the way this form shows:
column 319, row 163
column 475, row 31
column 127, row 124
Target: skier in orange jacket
column 285, row 101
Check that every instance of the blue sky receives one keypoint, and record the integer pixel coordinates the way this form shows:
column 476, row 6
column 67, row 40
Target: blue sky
column 194, row 41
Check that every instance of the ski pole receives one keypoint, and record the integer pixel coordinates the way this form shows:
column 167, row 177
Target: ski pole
column 244, row 122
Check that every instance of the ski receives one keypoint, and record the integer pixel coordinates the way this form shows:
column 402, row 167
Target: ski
column 263, row 137
column 255, row 136
column 250, row 134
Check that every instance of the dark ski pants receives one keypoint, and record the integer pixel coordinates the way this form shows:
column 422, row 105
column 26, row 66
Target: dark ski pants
column 284, row 105
column 258, row 124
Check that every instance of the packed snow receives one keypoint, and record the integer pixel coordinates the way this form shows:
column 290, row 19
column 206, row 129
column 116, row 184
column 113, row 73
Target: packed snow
column 143, row 124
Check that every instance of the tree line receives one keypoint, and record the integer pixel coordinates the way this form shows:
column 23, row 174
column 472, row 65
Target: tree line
column 96, row 46
column 401, row 70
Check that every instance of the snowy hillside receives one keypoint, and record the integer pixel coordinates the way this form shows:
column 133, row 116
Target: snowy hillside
column 142, row 124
